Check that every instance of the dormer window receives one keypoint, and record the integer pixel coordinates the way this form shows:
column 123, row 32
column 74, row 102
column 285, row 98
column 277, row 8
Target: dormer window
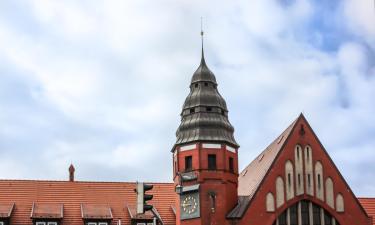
column 96, row 214
column 97, row 223
column 47, row 213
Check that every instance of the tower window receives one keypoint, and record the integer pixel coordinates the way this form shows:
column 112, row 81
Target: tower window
column 188, row 163
column 206, row 84
column 209, row 109
column 192, row 110
column 212, row 162
column 196, row 85
column 231, row 166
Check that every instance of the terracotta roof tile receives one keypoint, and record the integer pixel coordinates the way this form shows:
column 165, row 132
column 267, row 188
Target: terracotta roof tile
column 252, row 176
column 6, row 209
column 72, row 194
column 96, row 211
column 369, row 205
column 47, row 210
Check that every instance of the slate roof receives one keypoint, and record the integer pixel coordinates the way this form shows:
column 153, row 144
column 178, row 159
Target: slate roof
column 96, row 198
column 369, row 206
column 204, row 115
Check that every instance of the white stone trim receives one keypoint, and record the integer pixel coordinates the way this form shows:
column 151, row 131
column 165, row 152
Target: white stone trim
column 188, row 147
column 209, row 145
column 231, row 149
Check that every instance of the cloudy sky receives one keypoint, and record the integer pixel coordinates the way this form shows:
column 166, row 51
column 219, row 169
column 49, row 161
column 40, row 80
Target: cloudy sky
column 100, row 84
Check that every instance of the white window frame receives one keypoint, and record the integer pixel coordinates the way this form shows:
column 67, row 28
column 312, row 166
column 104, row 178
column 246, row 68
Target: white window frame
column 102, row 223
column 92, row 223
column 52, row 223
column 150, row 223
column 40, row 223
column 1, row 223
column 141, row 223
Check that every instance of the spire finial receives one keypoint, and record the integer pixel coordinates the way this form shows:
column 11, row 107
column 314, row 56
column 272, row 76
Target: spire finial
column 202, row 37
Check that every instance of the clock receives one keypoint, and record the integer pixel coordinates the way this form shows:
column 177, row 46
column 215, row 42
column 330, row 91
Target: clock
column 189, row 205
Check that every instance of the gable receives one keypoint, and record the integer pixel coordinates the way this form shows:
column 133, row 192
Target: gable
column 290, row 175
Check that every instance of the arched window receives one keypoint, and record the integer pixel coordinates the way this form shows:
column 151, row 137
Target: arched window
column 340, row 203
column 329, row 192
column 279, row 192
column 270, row 202
column 306, row 212
column 309, row 171
column 289, row 186
column 298, row 159
column 319, row 180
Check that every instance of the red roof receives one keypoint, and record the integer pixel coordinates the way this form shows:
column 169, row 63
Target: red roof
column 41, row 210
column 6, row 209
column 96, row 198
column 369, row 205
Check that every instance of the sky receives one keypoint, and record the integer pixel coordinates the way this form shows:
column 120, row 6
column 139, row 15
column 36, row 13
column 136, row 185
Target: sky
column 100, row 84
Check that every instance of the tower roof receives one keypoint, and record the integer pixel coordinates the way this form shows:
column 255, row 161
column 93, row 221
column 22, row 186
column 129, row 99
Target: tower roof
column 204, row 115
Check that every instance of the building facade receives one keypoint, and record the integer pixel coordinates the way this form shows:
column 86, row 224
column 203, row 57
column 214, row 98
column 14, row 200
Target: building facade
column 292, row 182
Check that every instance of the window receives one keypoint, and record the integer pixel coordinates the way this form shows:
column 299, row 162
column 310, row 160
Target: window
column 1, row 223
column 192, row 110
column 188, row 163
column 91, row 223
column 289, row 179
column 316, row 215
column 305, row 213
column 209, row 109
column 282, row 218
column 141, row 223
column 212, row 162
column 196, row 85
column 103, row 223
column 299, row 180
column 319, row 181
column 206, row 84
column 40, row 223
column 231, row 167
column 52, row 223
column 293, row 215
column 309, row 180
column 327, row 218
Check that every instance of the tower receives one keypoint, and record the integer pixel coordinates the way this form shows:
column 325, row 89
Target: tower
column 205, row 155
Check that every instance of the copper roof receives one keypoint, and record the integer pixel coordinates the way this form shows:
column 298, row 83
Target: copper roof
column 96, row 211
column 6, row 209
column 369, row 206
column 47, row 210
column 115, row 195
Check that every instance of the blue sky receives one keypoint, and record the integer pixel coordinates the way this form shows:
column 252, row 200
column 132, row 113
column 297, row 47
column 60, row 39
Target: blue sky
column 100, row 84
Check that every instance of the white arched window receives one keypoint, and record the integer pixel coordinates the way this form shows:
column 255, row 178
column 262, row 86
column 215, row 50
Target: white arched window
column 329, row 192
column 340, row 203
column 319, row 186
column 298, row 159
column 279, row 192
column 309, row 171
column 270, row 202
column 289, row 178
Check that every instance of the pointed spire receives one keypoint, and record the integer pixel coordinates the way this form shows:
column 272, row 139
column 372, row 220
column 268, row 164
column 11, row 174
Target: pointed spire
column 202, row 57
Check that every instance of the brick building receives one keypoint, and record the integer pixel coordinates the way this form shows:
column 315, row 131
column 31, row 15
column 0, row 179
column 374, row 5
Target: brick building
column 292, row 182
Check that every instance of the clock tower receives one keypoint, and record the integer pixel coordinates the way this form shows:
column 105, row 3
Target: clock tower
column 205, row 155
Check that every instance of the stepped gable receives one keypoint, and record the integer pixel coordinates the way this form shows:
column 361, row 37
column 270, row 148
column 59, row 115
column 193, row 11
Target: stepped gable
column 71, row 196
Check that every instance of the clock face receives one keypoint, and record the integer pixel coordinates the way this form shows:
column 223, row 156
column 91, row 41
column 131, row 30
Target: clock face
column 189, row 204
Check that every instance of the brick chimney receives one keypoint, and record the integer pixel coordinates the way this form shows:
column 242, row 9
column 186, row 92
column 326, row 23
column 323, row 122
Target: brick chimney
column 71, row 173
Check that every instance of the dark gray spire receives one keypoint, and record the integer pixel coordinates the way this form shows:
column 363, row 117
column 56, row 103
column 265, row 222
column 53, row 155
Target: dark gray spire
column 204, row 115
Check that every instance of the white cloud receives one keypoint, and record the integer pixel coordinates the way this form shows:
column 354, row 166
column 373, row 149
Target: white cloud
column 110, row 77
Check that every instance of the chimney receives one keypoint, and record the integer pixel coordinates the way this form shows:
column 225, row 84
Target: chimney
column 71, row 173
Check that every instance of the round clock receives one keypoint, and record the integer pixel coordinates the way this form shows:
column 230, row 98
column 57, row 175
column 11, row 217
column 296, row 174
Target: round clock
column 189, row 204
